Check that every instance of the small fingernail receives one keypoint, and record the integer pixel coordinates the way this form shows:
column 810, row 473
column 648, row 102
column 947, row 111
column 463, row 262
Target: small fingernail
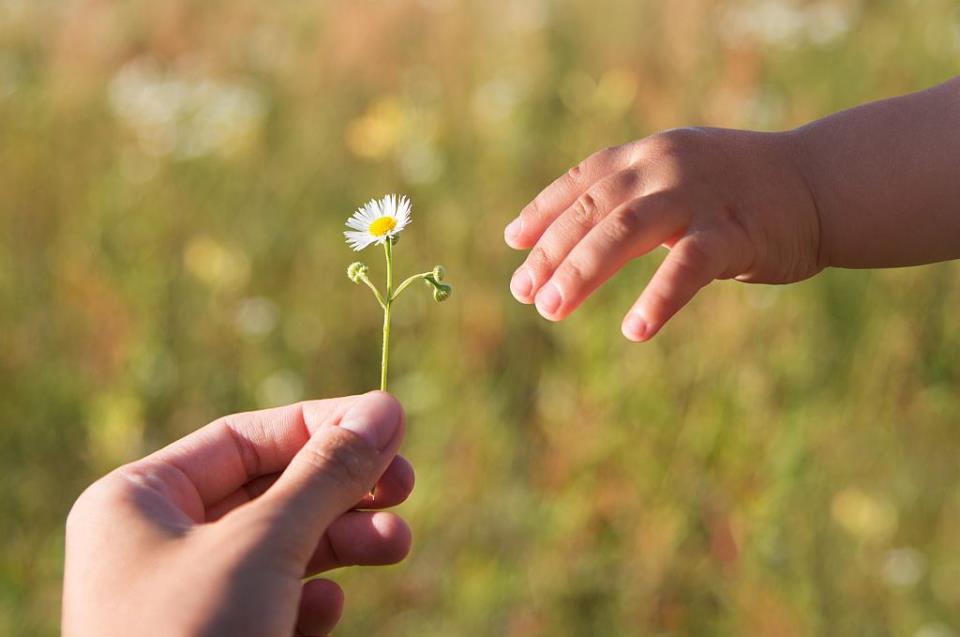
column 375, row 418
column 549, row 299
column 512, row 231
column 634, row 327
column 521, row 285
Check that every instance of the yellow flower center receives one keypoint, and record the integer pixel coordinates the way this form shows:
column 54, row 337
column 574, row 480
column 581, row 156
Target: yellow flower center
column 382, row 226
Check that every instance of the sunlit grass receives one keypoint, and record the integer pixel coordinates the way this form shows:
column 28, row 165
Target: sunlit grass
column 173, row 181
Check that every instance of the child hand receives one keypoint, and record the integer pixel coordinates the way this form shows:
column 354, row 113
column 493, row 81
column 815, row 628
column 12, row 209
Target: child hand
column 728, row 204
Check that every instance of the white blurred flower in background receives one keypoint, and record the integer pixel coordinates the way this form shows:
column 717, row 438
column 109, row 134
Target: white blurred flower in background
column 256, row 316
column 497, row 99
column 904, row 567
column 788, row 23
column 935, row 630
column 174, row 114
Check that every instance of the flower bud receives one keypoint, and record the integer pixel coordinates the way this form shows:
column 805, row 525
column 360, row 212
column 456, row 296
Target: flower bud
column 442, row 292
column 438, row 273
column 357, row 271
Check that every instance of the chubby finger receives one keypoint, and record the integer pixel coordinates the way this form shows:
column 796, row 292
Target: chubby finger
column 361, row 538
column 393, row 488
column 321, row 605
column 525, row 230
column 588, row 210
column 694, row 261
column 631, row 230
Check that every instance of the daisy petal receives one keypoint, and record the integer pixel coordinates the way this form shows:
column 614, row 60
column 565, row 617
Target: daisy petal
column 358, row 240
column 403, row 214
column 357, row 224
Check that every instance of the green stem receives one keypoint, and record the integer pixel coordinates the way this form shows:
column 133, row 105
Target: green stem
column 406, row 283
column 385, row 360
column 376, row 292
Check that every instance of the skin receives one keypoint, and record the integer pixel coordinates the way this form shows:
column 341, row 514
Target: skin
column 214, row 534
column 874, row 186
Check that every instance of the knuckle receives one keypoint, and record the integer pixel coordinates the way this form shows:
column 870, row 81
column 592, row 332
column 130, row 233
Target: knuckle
column 538, row 259
column 625, row 223
column 674, row 153
column 626, row 182
column 576, row 171
column 602, row 160
column 585, row 210
column 680, row 140
column 345, row 460
column 632, row 151
column 608, row 155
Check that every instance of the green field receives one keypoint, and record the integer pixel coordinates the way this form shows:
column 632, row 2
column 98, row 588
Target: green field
column 174, row 178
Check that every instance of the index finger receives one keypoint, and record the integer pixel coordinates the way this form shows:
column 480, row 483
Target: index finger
column 524, row 231
column 229, row 452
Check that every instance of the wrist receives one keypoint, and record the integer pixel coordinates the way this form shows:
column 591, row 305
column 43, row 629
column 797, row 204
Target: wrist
column 796, row 149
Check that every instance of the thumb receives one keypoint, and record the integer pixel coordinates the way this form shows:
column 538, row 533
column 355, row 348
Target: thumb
column 337, row 466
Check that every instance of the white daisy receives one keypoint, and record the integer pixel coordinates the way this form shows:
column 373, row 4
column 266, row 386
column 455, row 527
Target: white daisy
column 376, row 221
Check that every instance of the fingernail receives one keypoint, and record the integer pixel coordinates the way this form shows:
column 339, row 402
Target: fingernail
column 634, row 327
column 549, row 299
column 521, row 285
column 512, row 231
column 375, row 418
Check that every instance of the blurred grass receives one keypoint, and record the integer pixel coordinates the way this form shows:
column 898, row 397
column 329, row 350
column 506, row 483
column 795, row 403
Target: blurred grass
column 173, row 181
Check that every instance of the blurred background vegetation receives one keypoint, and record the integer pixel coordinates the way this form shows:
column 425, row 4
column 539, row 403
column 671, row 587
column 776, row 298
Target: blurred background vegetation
column 174, row 177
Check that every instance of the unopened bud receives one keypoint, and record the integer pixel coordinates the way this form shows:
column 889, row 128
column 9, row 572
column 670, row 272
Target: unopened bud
column 438, row 273
column 442, row 292
column 357, row 271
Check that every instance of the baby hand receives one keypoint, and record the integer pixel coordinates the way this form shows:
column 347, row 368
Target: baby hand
column 727, row 204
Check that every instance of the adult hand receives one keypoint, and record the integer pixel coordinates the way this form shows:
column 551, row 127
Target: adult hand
column 214, row 534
